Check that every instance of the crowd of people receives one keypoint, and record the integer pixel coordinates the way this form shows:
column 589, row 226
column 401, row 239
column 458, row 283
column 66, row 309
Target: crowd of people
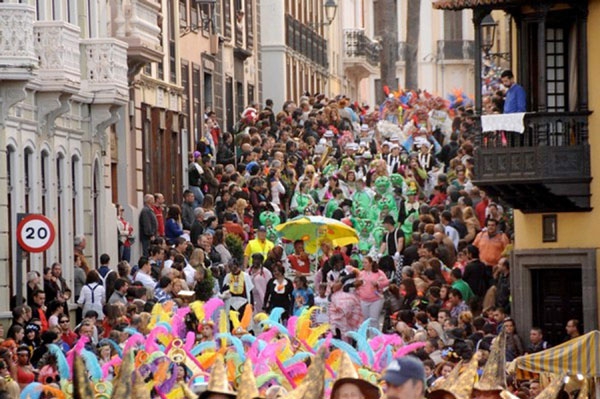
column 428, row 275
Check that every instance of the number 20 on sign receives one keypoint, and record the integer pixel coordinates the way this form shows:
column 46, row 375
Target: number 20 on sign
column 35, row 233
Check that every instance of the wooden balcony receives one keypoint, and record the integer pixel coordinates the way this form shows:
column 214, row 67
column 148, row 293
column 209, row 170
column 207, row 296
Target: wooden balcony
column 545, row 169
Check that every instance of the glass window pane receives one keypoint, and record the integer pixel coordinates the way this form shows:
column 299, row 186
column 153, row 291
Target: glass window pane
column 560, row 74
column 559, row 34
column 551, row 88
column 559, row 61
column 560, row 87
column 550, row 47
column 551, row 101
column 550, row 34
column 560, row 101
column 550, row 61
column 560, row 47
column 551, row 74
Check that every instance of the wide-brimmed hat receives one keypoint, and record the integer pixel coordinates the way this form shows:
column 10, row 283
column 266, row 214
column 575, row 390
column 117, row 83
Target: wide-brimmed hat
column 347, row 375
column 459, row 383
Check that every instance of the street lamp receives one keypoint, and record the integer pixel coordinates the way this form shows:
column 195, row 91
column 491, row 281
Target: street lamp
column 488, row 30
column 330, row 7
column 330, row 11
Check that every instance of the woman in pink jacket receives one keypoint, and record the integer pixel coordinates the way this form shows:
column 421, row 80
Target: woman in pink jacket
column 371, row 282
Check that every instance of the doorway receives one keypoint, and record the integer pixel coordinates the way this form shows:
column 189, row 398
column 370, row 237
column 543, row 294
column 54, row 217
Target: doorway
column 557, row 298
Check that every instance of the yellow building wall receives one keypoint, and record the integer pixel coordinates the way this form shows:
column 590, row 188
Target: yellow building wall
column 575, row 230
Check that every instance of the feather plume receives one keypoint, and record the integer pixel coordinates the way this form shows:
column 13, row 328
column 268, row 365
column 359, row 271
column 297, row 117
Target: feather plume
column 203, row 347
column 130, row 330
column 150, row 344
column 136, row 339
column 275, row 324
column 92, row 365
column 160, row 375
column 114, row 362
column 276, row 314
column 362, row 330
column 53, row 392
column 207, row 359
column 348, row 349
column 190, row 339
column 234, row 316
column 297, row 358
column 297, row 370
column 223, row 326
column 303, row 329
column 291, row 325
column 211, row 306
column 198, row 308
column 168, row 384
column 316, row 333
column 247, row 317
column 248, row 339
column 262, row 379
column 61, row 361
column 237, row 344
column 168, row 326
column 405, row 350
column 32, row 391
column 268, row 335
column 362, row 344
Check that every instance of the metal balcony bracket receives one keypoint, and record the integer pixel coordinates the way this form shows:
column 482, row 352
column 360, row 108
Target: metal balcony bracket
column 103, row 115
column 50, row 106
column 11, row 93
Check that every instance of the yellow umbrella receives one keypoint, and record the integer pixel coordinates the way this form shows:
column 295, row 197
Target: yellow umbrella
column 315, row 229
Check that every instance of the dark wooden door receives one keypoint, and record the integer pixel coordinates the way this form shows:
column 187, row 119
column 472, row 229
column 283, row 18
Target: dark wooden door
column 557, row 298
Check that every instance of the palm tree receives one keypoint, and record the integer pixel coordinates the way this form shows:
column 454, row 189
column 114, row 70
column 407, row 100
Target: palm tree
column 387, row 28
column 413, row 20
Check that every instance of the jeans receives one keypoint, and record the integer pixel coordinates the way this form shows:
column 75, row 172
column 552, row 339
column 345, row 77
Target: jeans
column 198, row 194
column 372, row 311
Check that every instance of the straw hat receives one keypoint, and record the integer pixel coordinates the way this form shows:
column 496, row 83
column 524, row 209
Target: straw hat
column 218, row 384
column 459, row 383
column 551, row 391
column 347, row 375
column 247, row 385
column 494, row 372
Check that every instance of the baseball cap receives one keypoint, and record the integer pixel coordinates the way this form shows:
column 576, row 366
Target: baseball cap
column 404, row 369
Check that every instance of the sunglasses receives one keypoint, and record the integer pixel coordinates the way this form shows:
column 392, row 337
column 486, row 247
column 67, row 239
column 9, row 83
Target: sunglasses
column 64, row 321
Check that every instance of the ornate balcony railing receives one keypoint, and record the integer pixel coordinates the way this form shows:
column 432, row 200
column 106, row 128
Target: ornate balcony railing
column 456, row 49
column 142, row 31
column 57, row 48
column 358, row 45
column 17, row 53
column 105, row 70
column 551, row 158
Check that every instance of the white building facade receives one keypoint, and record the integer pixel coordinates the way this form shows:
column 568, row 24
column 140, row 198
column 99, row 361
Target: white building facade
column 63, row 89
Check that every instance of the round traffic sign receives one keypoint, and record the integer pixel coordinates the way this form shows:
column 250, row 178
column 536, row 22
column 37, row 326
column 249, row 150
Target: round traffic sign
column 35, row 233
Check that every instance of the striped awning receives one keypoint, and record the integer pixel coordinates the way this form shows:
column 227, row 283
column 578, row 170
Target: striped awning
column 577, row 356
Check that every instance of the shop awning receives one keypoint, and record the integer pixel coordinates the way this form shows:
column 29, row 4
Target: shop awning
column 577, row 356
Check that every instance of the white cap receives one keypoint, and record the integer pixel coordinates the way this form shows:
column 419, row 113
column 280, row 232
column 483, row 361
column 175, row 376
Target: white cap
column 364, row 127
column 395, row 138
column 367, row 155
column 386, row 143
column 328, row 133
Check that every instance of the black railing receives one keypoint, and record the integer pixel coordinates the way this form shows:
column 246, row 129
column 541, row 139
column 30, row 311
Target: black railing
column 553, row 146
column 306, row 41
column 357, row 44
column 456, row 49
column 554, row 129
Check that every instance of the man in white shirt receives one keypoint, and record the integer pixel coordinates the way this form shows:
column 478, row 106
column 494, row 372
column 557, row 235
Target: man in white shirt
column 143, row 274
column 451, row 232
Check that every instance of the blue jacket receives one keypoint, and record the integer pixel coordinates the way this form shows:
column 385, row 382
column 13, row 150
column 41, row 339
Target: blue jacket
column 515, row 100
column 172, row 230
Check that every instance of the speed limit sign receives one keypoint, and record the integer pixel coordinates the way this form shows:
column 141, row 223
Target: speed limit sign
column 35, row 233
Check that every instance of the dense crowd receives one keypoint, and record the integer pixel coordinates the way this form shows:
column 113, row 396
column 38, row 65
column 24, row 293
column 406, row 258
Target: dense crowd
column 428, row 273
